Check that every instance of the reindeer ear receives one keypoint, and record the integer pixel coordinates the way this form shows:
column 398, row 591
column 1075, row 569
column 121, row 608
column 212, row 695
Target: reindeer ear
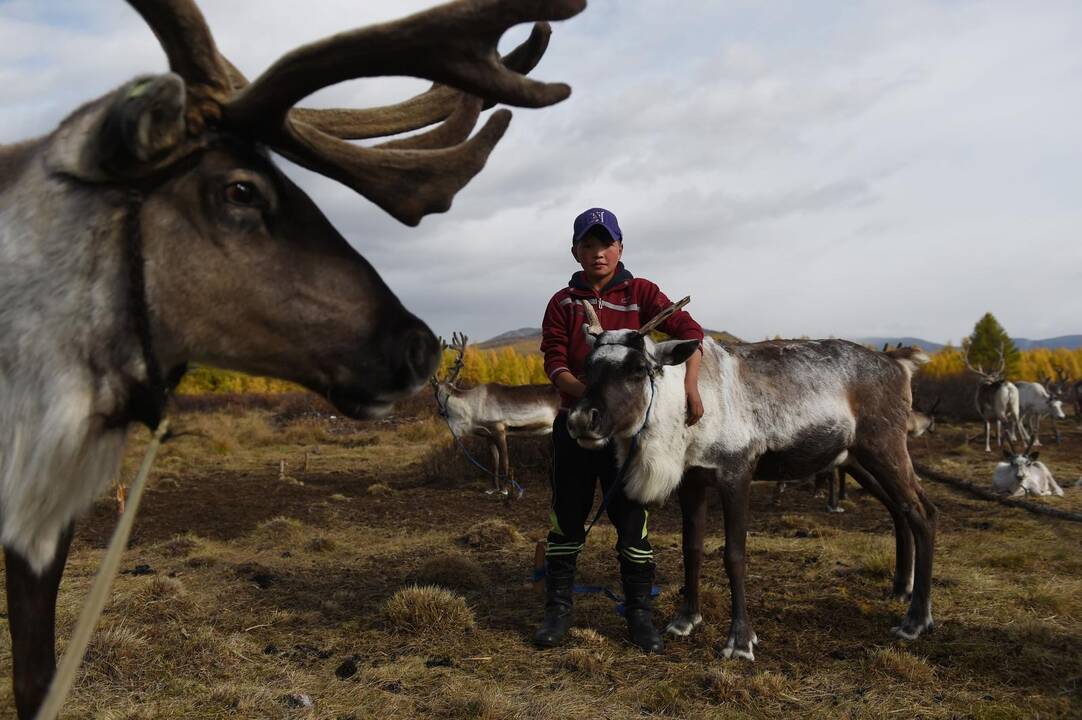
column 675, row 352
column 142, row 126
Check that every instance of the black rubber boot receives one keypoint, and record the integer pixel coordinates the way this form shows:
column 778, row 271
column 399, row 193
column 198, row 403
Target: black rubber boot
column 559, row 589
column 638, row 580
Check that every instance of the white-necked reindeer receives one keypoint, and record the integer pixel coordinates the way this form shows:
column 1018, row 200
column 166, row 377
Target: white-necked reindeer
column 997, row 399
column 1023, row 474
column 778, row 410
column 152, row 228
column 494, row 411
column 1036, row 401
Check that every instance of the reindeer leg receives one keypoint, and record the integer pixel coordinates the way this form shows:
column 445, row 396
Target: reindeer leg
column 32, row 622
column 494, row 451
column 1035, row 428
column 894, row 472
column 842, row 493
column 987, row 436
column 692, row 492
column 902, row 588
column 504, row 460
column 734, row 498
column 1055, row 429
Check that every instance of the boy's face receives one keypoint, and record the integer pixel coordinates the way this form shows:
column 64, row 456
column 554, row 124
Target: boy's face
column 598, row 256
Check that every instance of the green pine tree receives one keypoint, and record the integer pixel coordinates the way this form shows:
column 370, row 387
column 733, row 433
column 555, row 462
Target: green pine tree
column 985, row 343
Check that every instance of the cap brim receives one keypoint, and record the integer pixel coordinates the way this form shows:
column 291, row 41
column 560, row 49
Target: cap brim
column 581, row 234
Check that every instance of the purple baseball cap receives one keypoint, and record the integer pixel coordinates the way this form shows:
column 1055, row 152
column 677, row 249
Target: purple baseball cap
column 595, row 217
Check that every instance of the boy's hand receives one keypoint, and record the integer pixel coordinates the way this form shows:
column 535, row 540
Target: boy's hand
column 695, row 406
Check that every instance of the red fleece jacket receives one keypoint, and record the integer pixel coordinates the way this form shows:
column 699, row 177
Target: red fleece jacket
column 624, row 304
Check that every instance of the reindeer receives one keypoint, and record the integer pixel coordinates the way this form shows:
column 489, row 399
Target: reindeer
column 152, row 229
column 997, row 398
column 1023, row 474
column 919, row 424
column 1035, row 401
column 494, row 411
column 850, row 410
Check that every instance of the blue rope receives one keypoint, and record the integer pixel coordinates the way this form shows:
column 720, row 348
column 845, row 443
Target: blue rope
column 519, row 491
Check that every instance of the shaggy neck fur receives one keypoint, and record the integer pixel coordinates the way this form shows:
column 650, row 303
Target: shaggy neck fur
column 69, row 358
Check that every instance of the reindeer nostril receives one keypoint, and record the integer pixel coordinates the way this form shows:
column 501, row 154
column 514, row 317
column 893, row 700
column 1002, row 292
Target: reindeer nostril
column 595, row 419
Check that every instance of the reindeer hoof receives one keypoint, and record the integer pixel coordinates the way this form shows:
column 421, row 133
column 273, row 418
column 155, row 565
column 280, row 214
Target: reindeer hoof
column 911, row 630
column 838, row 509
column 682, row 625
column 742, row 651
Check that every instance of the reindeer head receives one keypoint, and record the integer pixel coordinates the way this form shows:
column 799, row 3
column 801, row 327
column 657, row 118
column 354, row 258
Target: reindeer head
column 621, row 371
column 1021, row 464
column 242, row 270
column 989, row 378
column 446, row 386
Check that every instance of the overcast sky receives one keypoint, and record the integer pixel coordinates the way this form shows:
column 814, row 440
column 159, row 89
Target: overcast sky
column 826, row 168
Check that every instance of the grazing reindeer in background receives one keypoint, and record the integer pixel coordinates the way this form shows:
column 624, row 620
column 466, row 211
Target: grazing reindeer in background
column 997, row 399
column 1035, row 401
column 152, row 228
column 494, row 411
column 850, row 410
column 1023, row 474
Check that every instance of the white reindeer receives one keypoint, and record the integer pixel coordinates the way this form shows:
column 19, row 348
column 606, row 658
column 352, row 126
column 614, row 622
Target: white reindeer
column 1023, row 474
column 997, row 399
column 494, row 411
column 1035, row 401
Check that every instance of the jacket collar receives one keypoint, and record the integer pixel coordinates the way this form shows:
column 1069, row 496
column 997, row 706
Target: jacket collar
column 578, row 280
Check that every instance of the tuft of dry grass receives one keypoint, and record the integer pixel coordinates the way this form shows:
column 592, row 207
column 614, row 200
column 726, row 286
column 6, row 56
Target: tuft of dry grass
column 181, row 545
column 380, row 489
column 587, row 636
column 723, row 685
column 452, row 570
column 280, row 529
column 320, row 543
column 115, row 653
column 492, row 533
column 589, row 663
column 428, row 610
column 901, row 664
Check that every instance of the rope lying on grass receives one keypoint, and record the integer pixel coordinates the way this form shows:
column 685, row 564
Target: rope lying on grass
column 986, row 494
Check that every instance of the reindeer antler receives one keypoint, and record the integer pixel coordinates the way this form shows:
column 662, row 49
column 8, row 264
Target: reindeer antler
column 594, row 323
column 992, row 376
column 458, row 344
column 663, row 316
column 453, row 44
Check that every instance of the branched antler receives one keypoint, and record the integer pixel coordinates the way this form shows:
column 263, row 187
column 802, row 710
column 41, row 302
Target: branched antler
column 663, row 316
column 453, row 45
column 997, row 374
column 458, row 344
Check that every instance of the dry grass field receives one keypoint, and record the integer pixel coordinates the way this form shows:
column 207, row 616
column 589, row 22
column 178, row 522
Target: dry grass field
column 379, row 581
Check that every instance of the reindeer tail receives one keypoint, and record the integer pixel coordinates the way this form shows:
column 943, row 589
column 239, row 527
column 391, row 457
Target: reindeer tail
column 910, row 358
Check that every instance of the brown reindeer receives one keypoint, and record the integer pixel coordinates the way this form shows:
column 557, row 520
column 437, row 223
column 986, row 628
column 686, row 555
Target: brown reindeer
column 494, row 411
column 152, row 228
column 777, row 410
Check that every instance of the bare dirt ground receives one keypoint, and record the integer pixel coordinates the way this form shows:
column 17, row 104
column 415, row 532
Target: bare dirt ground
column 253, row 593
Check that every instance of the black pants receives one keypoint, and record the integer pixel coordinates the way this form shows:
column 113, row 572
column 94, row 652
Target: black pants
column 575, row 472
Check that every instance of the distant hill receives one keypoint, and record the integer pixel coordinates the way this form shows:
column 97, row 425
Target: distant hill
column 877, row 342
column 1070, row 342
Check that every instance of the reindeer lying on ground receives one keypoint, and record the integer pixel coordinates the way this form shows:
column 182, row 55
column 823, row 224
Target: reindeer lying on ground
column 494, row 411
column 997, row 399
column 1023, row 474
column 850, row 409
column 1035, row 401
column 152, row 228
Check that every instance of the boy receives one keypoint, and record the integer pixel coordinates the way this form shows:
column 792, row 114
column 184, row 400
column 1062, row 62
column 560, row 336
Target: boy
column 621, row 302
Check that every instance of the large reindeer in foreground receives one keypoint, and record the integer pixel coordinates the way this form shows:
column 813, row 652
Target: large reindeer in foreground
column 850, row 410
column 494, row 411
column 997, row 399
column 151, row 228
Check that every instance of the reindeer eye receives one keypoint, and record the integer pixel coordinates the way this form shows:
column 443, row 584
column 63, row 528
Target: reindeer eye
column 242, row 193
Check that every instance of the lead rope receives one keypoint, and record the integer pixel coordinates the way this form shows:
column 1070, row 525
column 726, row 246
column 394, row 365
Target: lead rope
column 442, row 411
column 99, row 592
